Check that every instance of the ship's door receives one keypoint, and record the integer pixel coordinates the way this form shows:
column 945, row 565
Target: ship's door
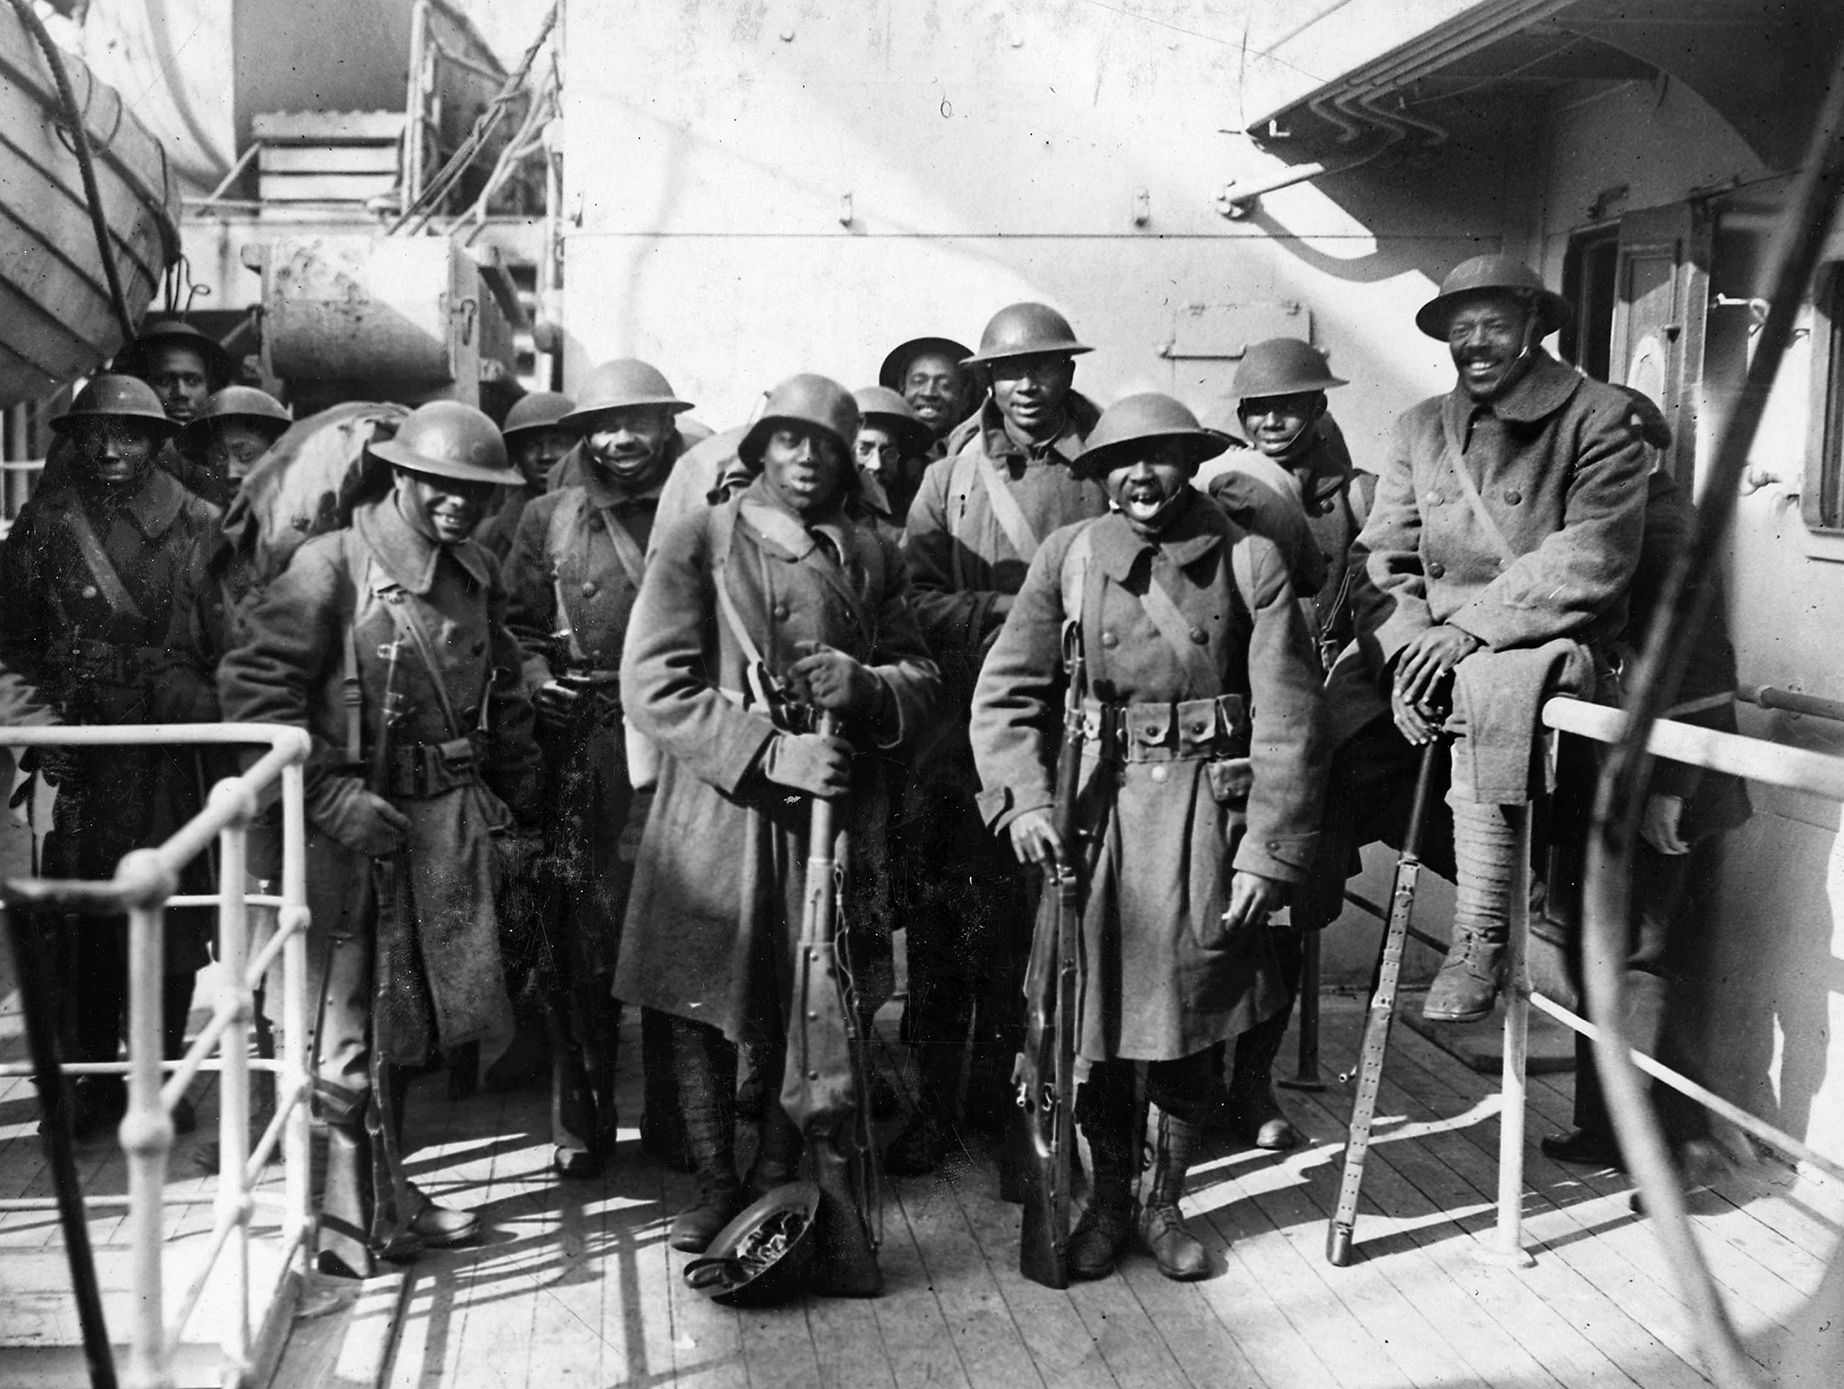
column 1661, row 298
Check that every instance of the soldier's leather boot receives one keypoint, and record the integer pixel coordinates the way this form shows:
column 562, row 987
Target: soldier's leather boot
column 1466, row 988
column 706, row 1067
column 1249, row 1108
column 1106, row 1225
column 175, row 1010
column 1161, row 1226
column 662, row 1129
column 923, row 1143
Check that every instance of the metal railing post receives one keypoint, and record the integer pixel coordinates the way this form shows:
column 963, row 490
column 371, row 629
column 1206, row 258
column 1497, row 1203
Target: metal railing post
column 236, row 1001
column 295, row 1041
column 1507, row 1244
column 147, row 1129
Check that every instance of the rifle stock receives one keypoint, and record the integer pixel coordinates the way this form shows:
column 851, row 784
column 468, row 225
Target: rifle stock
column 1046, row 1068
column 824, row 1086
column 391, row 1231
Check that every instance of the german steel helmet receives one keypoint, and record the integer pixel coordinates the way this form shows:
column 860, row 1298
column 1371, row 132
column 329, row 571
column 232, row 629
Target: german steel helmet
column 243, row 403
column 1142, row 419
column 448, row 439
column 177, row 330
column 620, row 385
column 118, row 397
column 881, row 406
column 765, row 1255
column 896, row 365
column 1505, row 273
column 1026, row 330
column 539, row 410
column 1282, row 366
column 804, row 399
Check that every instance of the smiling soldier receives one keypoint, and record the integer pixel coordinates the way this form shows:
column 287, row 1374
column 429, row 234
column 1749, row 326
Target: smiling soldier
column 1197, row 801
column 1496, row 562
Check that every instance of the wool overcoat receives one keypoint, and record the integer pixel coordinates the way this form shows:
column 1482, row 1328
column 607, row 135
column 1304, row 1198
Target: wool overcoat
column 1161, row 979
column 441, row 947
column 1560, row 471
column 716, row 904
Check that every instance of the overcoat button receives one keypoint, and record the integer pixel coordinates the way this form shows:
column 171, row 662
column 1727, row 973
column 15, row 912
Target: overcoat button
column 1158, row 772
column 1274, row 844
column 1436, row 569
column 1434, row 499
column 479, row 647
column 1108, row 639
column 1514, row 496
column 89, row 590
column 781, row 612
column 588, row 589
column 1197, row 635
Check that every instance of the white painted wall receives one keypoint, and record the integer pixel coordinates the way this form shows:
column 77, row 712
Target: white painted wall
column 991, row 152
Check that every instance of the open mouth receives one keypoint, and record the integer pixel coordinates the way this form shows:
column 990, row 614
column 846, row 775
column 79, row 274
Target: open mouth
column 1142, row 500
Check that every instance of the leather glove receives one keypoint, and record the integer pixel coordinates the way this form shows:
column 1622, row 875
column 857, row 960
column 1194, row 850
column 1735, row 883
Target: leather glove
column 358, row 819
column 555, row 703
column 830, row 679
column 810, row 763
column 53, row 764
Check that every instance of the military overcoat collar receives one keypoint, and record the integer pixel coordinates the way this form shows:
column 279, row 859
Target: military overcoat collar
column 606, row 495
column 407, row 555
column 154, row 505
column 1536, row 395
column 1079, row 418
column 786, row 537
column 1117, row 546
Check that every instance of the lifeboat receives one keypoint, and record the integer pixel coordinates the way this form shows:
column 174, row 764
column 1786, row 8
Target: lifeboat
column 57, row 321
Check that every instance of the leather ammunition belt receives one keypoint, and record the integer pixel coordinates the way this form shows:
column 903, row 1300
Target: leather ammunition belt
column 422, row 770
column 1192, row 730
column 108, row 662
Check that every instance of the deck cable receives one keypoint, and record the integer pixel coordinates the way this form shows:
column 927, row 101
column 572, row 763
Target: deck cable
column 1619, row 798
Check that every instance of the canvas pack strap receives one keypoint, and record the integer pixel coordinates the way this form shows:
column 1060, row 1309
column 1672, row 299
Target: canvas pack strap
column 723, row 532
column 1192, row 654
column 633, row 561
column 1005, row 508
column 96, row 560
column 1470, row 487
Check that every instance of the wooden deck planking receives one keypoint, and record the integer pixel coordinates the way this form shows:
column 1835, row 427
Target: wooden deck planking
column 576, row 1287
column 1625, row 1261
column 1584, row 1279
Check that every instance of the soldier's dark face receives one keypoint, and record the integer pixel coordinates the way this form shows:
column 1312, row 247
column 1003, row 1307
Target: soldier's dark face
column 1030, row 391
column 1148, row 489
column 536, row 451
column 805, row 468
column 233, row 448
column 178, row 375
column 117, row 452
column 1276, row 424
column 631, row 443
column 932, row 384
column 444, row 509
column 1489, row 336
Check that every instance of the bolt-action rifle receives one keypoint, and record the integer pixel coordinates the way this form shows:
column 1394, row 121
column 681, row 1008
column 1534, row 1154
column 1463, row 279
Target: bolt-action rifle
column 824, row 1085
column 1046, row 1069
column 391, row 1222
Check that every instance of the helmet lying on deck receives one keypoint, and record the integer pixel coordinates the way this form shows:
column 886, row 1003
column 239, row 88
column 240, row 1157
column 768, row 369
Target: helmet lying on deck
column 765, row 1254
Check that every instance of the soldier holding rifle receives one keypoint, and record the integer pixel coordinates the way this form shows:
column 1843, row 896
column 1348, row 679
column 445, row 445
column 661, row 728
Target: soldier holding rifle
column 574, row 574
column 753, row 615
column 388, row 642
column 1196, row 800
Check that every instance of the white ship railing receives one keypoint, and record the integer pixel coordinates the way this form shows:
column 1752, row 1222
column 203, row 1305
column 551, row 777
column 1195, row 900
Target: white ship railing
column 143, row 888
column 1751, row 758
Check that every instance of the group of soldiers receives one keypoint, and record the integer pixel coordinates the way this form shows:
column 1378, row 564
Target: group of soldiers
column 520, row 638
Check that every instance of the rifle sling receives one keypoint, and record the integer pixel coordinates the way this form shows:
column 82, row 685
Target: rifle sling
column 96, row 560
column 396, row 604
